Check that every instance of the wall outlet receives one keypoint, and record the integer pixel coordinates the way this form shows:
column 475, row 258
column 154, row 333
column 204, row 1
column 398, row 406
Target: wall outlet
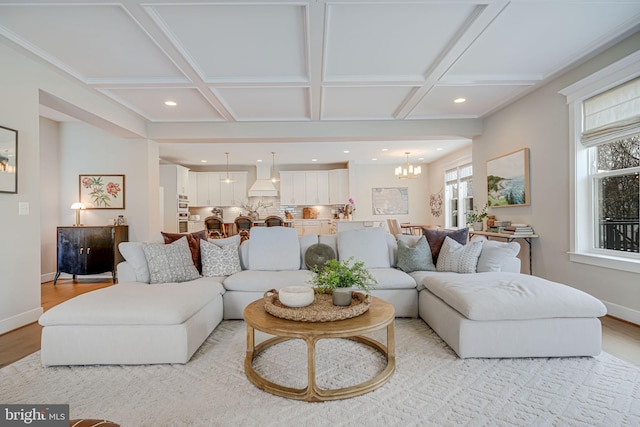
column 23, row 208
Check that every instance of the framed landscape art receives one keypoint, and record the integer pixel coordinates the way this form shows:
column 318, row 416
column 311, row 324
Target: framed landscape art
column 102, row 191
column 508, row 180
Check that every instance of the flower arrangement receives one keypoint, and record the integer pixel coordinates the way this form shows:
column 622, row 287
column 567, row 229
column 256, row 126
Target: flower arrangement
column 350, row 208
column 252, row 209
column 342, row 274
column 477, row 215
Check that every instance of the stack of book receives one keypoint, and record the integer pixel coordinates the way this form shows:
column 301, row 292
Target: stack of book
column 518, row 230
column 498, row 226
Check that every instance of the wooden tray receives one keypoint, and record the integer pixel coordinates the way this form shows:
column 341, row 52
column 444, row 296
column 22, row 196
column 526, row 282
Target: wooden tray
column 320, row 310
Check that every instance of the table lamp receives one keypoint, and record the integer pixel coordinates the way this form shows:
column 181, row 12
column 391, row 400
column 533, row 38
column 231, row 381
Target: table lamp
column 78, row 206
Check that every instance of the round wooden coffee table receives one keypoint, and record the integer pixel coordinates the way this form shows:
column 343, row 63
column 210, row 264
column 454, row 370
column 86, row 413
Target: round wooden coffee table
column 379, row 315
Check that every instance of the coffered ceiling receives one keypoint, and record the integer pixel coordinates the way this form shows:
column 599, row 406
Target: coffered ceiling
column 325, row 71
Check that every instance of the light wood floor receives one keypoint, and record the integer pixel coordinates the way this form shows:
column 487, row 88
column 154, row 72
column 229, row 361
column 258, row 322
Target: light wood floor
column 619, row 338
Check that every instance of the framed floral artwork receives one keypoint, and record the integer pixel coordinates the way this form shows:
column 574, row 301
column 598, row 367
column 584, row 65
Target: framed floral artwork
column 102, row 191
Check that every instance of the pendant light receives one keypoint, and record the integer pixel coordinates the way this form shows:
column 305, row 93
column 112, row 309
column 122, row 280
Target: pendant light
column 409, row 171
column 227, row 179
column 274, row 179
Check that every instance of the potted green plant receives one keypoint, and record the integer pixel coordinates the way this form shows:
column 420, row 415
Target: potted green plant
column 340, row 277
column 476, row 217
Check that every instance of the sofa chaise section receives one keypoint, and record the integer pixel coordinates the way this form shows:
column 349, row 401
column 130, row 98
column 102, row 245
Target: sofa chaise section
column 132, row 323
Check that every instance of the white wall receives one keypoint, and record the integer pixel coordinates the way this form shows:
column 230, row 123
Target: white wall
column 49, row 196
column 367, row 177
column 540, row 121
column 21, row 83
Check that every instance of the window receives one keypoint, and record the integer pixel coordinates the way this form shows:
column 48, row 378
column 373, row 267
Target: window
column 458, row 195
column 605, row 133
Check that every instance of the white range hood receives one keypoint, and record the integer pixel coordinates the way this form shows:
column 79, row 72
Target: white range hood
column 263, row 187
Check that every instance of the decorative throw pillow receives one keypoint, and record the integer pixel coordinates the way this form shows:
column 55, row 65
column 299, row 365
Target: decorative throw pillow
column 219, row 261
column 134, row 255
column 171, row 262
column 415, row 258
column 436, row 238
column 494, row 254
column 317, row 255
column 194, row 244
column 458, row 258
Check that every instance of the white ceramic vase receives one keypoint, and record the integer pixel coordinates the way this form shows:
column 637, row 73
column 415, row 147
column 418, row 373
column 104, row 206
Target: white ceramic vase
column 477, row 226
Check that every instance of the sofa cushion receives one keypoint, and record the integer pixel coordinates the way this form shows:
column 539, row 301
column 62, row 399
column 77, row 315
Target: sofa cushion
column 262, row 281
column 274, row 248
column 368, row 245
column 171, row 262
column 134, row 255
column 415, row 257
column 194, row 244
column 219, row 261
column 495, row 253
column 511, row 296
column 436, row 239
column 135, row 304
column 391, row 278
column 458, row 258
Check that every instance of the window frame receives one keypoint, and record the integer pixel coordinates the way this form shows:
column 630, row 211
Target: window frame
column 582, row 192
column 462, row 208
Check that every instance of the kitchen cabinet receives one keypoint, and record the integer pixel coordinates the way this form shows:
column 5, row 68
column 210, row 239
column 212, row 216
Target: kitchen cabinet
column 293, row 188
column 233, row 193
column 317, row 188
column 327, row 227
column 338, row 186
column 89, row 250
column 192, row 192
column 174, row 179
column 207, row 189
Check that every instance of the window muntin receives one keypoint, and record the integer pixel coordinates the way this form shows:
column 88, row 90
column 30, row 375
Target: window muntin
column 458, row 195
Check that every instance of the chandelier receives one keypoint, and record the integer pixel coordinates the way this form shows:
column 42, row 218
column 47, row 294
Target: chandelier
column 408, row 171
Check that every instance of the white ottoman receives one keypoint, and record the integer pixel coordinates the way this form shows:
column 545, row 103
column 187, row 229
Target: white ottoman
column 511, row 315
column 132, row 323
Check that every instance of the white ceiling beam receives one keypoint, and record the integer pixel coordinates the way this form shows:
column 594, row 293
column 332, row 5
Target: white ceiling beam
column 315, row 131
column 474, row 27
column 143, row 16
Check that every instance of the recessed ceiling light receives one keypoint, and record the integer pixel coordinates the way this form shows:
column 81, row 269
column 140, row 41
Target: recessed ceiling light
column 421, row 158
column 346, row 151
column 259, row 160
column 170, row 103
column 439, row 149
column 459, row 100
column 385, row 149
column 374, row 159
column 314, row 160
column 203, row 161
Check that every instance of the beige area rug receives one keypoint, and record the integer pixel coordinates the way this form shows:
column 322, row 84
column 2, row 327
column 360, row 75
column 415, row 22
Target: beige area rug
column 431, row 387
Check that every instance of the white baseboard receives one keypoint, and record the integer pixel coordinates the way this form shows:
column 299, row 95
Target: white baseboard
column 20, row 320
column 622, row 312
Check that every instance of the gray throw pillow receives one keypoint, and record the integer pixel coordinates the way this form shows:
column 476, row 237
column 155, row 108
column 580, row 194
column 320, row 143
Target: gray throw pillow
column 171, row 262
column 317, row 255
column 416, row 258
column 218, row 261
column 458, row 258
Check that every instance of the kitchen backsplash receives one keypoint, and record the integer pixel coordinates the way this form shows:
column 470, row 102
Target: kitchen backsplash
column 229, row 213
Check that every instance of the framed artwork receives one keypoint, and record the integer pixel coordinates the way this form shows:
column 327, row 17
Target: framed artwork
column 8, row 160
column 102, row 191
column 508, row 180
column 390, row 201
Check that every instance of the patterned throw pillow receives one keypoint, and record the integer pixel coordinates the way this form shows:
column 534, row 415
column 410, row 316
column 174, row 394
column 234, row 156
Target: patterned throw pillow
column 459, row 258
column 194, row 244
column 436, row 238
column 415, row 258
column 219, row 261
column 171, row 262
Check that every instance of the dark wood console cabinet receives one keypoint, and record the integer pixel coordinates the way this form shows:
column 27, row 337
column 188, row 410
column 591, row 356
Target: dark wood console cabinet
column 90, row 250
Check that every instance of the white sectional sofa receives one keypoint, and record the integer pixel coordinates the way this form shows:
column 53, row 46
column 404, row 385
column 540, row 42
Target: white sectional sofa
column 138, row 323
